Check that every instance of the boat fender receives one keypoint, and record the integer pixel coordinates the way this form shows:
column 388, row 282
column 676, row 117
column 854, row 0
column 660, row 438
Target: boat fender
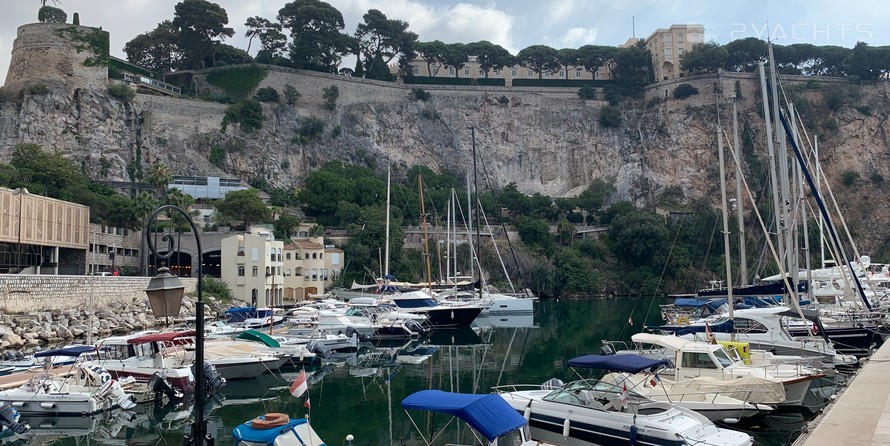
column 566, row 428
column 682, row 321
column 527, row 413
column 269, row 420
column 633, row 435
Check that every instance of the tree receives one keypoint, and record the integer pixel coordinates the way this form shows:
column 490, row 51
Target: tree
column 315, row 29
column 46, row 173
column 593, row 57
column 225, row 54
column 49, row 14
column 540, row 58
column 708, row 56
column 330, row 96
column 745, row 54
column 248, row 114
column 197, row 23
column 535, row 233
column 869, row 63
column 244, row 206
column 285, row 225
column 566, row 232
column 456, row 56
column 637, row 237
column 631, row 67
column 156, row 50
column 569, row 58
column 380, row 40
column 490, row 56
column 159, row 177
column 433, row 53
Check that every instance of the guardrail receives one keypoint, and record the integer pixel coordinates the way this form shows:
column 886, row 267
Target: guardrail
column 151, row 83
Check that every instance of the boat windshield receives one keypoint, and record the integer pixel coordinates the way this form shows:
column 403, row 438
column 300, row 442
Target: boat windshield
column 584, row 393
column 722, row 357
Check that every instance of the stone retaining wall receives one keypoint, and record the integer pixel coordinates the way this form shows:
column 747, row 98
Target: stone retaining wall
column 26, row 293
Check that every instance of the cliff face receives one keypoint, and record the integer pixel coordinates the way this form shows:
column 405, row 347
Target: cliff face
column 546, row 141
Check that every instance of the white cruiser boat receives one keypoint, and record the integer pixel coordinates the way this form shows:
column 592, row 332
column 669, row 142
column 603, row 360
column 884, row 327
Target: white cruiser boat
column 83, row 390
column 141, row 355
column 581, row 414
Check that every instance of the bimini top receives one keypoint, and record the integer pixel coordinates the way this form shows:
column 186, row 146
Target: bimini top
column 618, row 363
column 489, row 414
column 162, row 337
column 74, row 350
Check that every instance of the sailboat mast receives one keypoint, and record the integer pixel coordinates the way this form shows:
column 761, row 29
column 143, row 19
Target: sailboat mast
column 739, row 201
column 783, row 172
column 448, row 237
column 767, row 122
column 819, row 191
column 386, row 258
column 798, row 180
column 476, row 207
column 426, row 245
column 727, row 261
column 470, row 230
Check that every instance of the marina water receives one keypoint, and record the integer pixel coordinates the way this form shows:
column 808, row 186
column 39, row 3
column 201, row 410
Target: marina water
column 360, row 393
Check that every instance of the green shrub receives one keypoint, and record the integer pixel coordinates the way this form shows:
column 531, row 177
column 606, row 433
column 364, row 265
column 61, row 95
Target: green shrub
column 291, row 94
column 849, row 178
column 876, row 178
column 683, row 91
column 503, row 100
column 49, row 14
column 247, row 113
column 122, row 92
column 310, row 130
column 217, row 155
column 217, row 288
column 336, row 131
column 267, row 94
column 587, row 92
column 237, row 82
column 285, row 164
column 610, row 117
column 330, row 97
column 835, row 97
column 420, row 94
column 37, row 89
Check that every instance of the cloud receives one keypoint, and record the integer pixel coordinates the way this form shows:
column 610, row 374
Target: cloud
column 578, row 36
column 460, row 22
column 559, row 10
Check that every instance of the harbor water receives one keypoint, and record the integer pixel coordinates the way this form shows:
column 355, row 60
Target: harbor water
column 359, row 393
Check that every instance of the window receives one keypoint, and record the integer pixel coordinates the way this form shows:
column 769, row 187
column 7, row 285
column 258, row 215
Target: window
column 481, row 73
column 268, row 271
column 254, row 254
column 451, row 71
column 547, row 74
column 744, row 325
column 321, row 255
column 679, row 38
column 307, row 256
column 531, row 73
column 668, row 38
column 513, row 72
column 415, row 70
column 668, row 52
column 287, row 256
column 314, row 255
column 256, row 271
column 497, row 72
column 578, row 73
column 698, row 361
column 466, row 71
column 241, row 271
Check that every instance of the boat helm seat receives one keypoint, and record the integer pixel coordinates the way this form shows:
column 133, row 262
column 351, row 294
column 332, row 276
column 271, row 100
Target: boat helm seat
column 614, row 402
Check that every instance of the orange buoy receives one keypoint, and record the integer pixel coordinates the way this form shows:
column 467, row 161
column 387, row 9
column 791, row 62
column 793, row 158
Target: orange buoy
column 269, row 420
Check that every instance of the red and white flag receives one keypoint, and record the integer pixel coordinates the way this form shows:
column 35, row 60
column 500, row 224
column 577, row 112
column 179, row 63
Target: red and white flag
column 625, row 397
column 630, row 320
column 299, row 387
column 306, row 403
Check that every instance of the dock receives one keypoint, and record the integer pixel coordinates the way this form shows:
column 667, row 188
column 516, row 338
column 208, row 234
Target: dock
column 860, row 415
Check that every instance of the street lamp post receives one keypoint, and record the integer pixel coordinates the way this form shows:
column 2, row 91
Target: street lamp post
column 165, row 293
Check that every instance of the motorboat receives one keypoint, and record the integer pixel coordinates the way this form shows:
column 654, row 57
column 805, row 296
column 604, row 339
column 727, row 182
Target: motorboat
column 83, row 390
column 488, row 414
column 762, row 329
column 294, row 354
column 13, row 361
column 141, row 355
column 438, row 315
column 639, row 375
column 580, row 414
column 493, row 304
column 276, row 429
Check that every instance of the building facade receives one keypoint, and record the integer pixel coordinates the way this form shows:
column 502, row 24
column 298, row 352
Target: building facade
column 252, row 266
column 471, row 70
column 668, row 46
column 304, row 269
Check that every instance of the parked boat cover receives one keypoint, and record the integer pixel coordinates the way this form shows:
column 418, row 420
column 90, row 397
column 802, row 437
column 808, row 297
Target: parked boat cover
column 489, row 414
column 245, row 433
column 620, row 363
column 749, row 389
column 253, row 335
column 74, row 351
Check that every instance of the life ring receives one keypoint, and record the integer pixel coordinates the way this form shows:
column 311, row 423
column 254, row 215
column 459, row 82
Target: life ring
column 683, row 321
column 269, row 420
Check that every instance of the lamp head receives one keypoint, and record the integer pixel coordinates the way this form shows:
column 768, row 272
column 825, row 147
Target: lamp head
column 165, row 293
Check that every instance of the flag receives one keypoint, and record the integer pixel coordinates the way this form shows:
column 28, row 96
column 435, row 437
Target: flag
column 654, row 381
column 630, row 320
column 299, row 387
column 708, row 335
column 306, row 403
column 625, row 398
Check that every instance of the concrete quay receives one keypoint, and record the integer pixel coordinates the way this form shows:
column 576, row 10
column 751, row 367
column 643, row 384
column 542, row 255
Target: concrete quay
column 860, row 415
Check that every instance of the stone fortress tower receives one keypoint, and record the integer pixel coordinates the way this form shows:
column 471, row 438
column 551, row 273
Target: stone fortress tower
column 57, row 53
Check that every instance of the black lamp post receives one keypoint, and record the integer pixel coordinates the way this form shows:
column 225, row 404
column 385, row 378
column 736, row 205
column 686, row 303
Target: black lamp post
column 165, row 293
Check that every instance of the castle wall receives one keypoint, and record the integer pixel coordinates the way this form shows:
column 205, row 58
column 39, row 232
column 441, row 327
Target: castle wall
column 45, row 53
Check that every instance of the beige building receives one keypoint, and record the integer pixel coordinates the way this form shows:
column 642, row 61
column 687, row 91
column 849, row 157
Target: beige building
column 668, row 45
column 252, row 266
column 40, row 235
column 471, row 70
column 304, row 268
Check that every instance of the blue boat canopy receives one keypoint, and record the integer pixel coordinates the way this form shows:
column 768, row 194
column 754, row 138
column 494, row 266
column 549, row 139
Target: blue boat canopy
column 245, row 433
column 620, row 363
column 489, row 414
column 74, row 351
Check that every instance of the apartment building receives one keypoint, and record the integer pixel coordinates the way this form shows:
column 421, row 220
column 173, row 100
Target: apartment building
column 305, row 271
column 253, row 267
column 471, row 70
column 668, row 45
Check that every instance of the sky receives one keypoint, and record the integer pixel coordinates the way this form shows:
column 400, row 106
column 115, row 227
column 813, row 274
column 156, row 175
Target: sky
column 513, row 24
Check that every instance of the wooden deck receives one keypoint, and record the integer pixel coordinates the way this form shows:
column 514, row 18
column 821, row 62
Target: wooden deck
column 18, row 379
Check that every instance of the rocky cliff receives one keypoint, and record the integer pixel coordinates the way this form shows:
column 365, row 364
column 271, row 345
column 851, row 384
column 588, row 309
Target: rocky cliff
column 544, row 140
